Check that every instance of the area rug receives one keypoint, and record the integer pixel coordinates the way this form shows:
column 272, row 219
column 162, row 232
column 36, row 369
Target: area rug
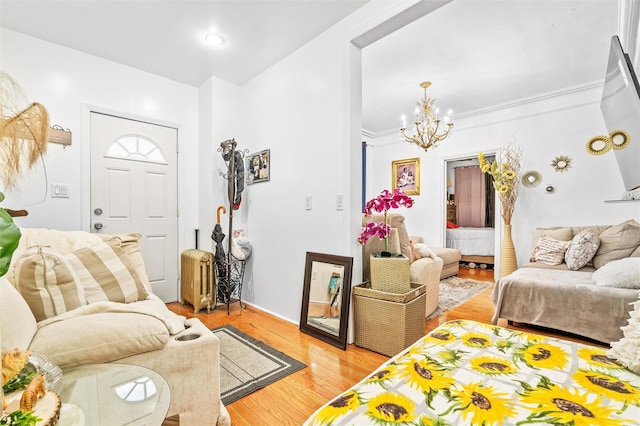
column 455, row 291
column 247, row 364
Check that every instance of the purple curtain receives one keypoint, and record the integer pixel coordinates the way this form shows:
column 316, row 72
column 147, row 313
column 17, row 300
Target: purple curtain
column 470, row 199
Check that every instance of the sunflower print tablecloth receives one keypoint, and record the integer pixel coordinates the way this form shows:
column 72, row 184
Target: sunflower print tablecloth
column 470, row 373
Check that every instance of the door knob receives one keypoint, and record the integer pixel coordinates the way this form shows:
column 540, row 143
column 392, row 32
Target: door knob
column 97, row 211
column 97, row 226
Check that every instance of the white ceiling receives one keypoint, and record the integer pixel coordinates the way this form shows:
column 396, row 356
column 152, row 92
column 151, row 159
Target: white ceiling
column 166, row 37
column 477, row 53
column 480, row 54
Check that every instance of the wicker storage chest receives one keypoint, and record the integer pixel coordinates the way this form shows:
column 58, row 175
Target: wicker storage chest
column 386, row 322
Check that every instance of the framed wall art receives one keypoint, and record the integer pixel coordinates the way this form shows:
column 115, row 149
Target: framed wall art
column 405, row 175
column 258, row 166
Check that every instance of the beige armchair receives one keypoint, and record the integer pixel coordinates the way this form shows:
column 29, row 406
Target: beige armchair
column 425, row 270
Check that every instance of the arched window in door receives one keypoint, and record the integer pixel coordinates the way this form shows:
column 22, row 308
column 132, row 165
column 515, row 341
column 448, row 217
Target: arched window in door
column 136, row 147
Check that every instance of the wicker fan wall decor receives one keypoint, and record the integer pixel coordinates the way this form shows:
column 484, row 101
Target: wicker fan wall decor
column 23, row 133
column 23, row 139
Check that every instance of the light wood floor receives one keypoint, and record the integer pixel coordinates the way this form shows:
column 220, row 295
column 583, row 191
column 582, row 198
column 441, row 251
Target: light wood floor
column 330, row 370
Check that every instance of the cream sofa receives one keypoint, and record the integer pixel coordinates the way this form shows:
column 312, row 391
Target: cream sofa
column 143, row 332
column 425, row 270
column 579, row 301
column 450, row 259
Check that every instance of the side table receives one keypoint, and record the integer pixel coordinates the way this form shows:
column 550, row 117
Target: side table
column 114, row 395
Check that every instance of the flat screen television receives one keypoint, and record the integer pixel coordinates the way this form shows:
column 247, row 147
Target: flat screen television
column 620, row 106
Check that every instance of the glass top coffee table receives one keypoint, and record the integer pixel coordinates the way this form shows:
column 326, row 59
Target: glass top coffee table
column 114, row 395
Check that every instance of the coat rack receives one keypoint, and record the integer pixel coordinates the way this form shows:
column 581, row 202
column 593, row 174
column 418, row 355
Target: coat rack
column 229, row 270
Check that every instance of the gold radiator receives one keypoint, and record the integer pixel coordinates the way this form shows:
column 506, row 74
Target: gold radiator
column 197, row 282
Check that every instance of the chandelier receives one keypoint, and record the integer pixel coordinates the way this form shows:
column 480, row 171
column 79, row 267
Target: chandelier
column 427, row 123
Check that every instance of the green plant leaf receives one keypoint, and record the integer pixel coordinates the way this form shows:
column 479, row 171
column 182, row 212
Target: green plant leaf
column 9, row 238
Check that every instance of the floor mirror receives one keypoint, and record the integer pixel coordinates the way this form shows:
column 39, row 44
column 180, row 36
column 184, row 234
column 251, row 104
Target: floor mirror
column 325, row 297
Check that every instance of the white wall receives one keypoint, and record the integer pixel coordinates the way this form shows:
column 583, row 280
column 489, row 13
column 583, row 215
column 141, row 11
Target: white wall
column 68, row 83
column 554, row 125
column 304, row 110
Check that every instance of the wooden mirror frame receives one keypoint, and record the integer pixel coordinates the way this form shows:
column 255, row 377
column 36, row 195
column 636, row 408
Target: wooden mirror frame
column 347, row 263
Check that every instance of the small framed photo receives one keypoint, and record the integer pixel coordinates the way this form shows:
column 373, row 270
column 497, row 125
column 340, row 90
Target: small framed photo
column 405, row 175
column 258, row 166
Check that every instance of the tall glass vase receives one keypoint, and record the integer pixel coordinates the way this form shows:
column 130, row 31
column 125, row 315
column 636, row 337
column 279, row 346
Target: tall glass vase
column 508, row 261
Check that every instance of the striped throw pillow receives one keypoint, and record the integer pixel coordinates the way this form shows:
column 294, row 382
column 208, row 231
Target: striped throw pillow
column 130, row 244
column 47, row 282
column 106, row 273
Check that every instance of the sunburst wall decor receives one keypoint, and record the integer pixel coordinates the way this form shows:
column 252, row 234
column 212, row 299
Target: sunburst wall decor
column 561, row 163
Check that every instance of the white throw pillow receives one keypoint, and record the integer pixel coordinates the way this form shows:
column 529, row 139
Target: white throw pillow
column 549, row 251
column 581, row 249
column 621, row 273
column 424, row 251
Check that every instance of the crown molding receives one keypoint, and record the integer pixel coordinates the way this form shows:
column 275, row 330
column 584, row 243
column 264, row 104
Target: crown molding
column 368, row 133
column 572, row 90
column 567, row 91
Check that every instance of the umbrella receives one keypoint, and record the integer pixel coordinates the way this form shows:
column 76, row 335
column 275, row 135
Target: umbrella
column 220, row 257
column 218, row 236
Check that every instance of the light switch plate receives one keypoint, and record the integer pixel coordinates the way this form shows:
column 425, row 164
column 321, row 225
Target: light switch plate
column 59, row 190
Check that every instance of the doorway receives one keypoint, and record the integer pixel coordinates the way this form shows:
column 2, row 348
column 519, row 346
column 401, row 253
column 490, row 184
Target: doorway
column 133, row 189
column 470, row 211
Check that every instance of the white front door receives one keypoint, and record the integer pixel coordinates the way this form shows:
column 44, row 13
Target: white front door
column 134, row 189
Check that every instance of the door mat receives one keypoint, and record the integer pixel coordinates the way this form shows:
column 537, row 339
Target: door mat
column 247, row 364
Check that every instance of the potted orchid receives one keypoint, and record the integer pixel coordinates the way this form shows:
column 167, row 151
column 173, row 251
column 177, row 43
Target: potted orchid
column 388, row 272
column 382, row 204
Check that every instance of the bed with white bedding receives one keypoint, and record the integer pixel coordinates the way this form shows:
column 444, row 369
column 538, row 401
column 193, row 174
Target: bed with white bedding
column 472, row 241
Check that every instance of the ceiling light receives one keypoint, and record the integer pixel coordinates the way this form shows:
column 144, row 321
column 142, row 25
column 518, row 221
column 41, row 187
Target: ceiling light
column 214, row 39
column 427, row 123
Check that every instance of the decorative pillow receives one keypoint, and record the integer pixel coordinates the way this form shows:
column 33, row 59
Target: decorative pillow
column 423, row 250
column 414, row 253
column 581, row 249
column 621, row 273
column 560, row 233
column 451, row 225
column 47, row 282
column 129, row 243
column 617, row 242
column 549, row 251
column 106, row 273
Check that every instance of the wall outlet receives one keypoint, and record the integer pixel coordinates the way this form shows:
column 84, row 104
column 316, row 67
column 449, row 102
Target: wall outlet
column 307, row 202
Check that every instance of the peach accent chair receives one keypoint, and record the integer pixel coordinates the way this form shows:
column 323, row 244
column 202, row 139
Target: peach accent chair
column 425, row 270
